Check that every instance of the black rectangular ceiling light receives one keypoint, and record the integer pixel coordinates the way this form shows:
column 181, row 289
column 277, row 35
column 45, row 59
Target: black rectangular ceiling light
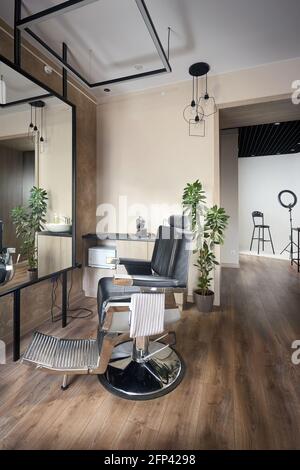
column 71, row 5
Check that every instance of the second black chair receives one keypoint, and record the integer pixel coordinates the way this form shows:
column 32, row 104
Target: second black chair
column 261, row 227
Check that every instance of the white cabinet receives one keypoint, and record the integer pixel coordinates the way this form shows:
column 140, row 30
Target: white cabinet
column 124, row 249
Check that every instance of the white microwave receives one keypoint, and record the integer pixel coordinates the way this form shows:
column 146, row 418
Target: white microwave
column 99, row 256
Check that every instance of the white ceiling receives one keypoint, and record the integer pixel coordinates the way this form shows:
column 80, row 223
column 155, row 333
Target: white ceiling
column 108, row 38
column 17, row 86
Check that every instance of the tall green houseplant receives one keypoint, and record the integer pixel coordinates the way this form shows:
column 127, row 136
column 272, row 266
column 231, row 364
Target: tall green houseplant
column 28, row 221
column 215, row 221
column 192, row 200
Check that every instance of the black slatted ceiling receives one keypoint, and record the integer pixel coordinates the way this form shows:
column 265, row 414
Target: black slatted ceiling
column 269, row 139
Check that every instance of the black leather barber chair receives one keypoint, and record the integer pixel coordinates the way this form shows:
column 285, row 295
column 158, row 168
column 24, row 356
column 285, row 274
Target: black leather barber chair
column 144, row 367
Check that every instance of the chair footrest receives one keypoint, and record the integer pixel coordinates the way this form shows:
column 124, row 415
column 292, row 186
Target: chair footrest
column 62, row 354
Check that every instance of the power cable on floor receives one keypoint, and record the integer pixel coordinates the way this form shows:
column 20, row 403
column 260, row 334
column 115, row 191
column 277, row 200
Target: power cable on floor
column 77, row 309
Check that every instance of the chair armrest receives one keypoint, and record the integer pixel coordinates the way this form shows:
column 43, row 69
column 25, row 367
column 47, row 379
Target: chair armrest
column 139, row 262
column 154, row 281
column 151, row 282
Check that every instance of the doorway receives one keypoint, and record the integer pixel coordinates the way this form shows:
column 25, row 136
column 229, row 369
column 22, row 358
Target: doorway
column 259, row 158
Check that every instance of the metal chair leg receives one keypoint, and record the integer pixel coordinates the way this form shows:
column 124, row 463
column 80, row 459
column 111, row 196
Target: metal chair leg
column 253, row 233
column 258, row 240
column 271, row 240
column 65, row 384
column 263, row 238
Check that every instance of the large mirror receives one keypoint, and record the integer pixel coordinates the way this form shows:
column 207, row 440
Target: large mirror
column 37, row 168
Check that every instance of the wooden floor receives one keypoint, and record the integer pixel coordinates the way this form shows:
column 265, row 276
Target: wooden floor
column 240, row 391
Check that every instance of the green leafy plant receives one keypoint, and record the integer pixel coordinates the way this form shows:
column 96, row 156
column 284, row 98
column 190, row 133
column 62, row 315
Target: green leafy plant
column 216, row 221
column 192, row 199
column 211, row 234
column 28, row 221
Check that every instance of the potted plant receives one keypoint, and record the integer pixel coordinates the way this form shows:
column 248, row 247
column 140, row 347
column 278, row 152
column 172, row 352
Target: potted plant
column 210, row 234
column 215, row 224
column 192, row 200
column 28, row 221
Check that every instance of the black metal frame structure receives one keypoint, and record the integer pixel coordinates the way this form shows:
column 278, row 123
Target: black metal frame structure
column 24, row 24
column 26, row 100
column 16, row 290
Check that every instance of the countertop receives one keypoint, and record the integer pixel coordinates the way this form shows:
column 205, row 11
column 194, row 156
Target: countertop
column 119, row 236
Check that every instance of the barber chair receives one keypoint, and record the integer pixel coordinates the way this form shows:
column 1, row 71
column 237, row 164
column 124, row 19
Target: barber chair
column 139, row 367
column 143, row 367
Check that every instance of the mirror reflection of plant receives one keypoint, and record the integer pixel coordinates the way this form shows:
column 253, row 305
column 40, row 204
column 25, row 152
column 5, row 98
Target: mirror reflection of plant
column 28, row 221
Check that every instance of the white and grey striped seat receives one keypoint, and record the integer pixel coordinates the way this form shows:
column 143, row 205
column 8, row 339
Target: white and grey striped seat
column 67, row 354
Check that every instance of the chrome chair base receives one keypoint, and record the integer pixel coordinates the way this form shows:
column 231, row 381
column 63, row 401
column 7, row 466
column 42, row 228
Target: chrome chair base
column 143, row 380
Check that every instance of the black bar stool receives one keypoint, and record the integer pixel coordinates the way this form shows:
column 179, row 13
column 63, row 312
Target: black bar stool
column 261, row 231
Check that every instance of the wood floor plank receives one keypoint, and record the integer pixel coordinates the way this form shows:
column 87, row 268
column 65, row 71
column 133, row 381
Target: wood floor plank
column 240, row 390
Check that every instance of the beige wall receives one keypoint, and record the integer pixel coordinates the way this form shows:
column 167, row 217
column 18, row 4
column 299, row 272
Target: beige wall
column 55, row 176
column 55, row 163
column 145, row 153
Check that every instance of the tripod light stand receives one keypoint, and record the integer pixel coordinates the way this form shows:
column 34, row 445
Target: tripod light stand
column 290, row 206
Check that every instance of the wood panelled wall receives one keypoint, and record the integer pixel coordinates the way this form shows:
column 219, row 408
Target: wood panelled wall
column 36, row 300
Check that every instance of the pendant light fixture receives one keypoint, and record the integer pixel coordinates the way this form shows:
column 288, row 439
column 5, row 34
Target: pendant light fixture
column 2, row 90
column 37, row 107
column 201, row 106
column 208, row 102
column 35, row 129
column 42, row 122
column 31, row 125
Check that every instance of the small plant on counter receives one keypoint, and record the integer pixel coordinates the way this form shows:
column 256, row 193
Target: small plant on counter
column 28, row 221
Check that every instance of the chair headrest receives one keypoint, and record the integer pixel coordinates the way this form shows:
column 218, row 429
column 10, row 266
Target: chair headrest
column 179, row 221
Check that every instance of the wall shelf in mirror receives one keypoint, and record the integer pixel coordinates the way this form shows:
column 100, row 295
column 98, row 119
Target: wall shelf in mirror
column 55, row 234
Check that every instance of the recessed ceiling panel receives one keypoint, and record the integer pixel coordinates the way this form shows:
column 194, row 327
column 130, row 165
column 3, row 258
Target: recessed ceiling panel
column 107, row 39
column 278, row 138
